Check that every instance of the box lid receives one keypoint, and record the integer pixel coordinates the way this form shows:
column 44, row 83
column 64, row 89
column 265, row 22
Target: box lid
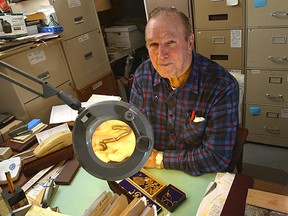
column 121, row 28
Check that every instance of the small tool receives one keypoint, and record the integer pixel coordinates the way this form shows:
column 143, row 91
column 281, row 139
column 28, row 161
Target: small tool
column 50, row 189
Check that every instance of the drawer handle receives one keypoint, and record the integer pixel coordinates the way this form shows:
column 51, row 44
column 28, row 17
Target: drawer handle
column 88, row 55
column 79, row 20
column 219, row 57
column 277, row 59
column 280, row 14
column 218, row 40
column 279, row 97
column 44, row 76
column 272, row 130
column 217, row 17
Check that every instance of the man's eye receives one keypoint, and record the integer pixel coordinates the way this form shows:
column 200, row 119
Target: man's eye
column 171, row 42
column 153, row 45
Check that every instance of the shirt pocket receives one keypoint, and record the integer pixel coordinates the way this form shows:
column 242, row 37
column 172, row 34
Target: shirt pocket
column 194, row 131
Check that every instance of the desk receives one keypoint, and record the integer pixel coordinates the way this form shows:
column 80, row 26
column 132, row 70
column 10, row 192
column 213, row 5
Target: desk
column 75, row 198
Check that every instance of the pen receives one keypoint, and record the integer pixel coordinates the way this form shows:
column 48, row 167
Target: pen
column 214, row 185
column 10, row 182
column 192, row 117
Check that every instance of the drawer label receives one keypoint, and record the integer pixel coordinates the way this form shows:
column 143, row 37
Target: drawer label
column 36, row 57
column 97, row 85
column 284, row 113
column 74, row 3
column 272, row 114
column 83, row 38
column 236, row 38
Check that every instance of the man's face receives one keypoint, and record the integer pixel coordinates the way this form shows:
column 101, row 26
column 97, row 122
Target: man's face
column 170, row 53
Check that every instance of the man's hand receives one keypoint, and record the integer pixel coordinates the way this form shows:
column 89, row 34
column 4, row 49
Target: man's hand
column 151, row 162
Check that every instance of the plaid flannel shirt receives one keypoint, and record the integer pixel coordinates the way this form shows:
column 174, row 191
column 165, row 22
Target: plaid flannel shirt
column 211, row 93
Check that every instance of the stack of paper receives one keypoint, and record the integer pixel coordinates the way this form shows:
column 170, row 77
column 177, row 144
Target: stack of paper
column 24, row 138
column 216, row 194
column 63, row 113
column 108, row 204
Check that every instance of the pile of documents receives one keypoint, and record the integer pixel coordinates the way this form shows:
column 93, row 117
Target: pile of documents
column 216, row 194
column 31, row 129
column 108, row 204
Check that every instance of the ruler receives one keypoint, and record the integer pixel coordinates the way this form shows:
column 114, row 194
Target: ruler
column 35, row 178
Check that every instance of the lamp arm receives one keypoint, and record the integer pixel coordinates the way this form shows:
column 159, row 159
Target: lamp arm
column 48, row 90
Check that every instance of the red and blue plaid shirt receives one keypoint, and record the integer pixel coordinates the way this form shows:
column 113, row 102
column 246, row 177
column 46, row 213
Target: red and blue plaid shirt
column 210, row 92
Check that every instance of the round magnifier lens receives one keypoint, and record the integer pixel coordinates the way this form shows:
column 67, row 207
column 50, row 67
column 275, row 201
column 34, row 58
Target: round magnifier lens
column 113, row 141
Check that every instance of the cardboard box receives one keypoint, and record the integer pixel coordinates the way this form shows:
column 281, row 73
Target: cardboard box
column 125, row 36
column 12, row 25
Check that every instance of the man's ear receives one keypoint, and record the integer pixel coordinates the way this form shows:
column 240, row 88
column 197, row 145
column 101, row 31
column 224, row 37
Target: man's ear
column 191, row 42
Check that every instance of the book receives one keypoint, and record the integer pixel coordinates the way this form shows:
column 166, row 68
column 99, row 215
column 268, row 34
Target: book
column 24, row 138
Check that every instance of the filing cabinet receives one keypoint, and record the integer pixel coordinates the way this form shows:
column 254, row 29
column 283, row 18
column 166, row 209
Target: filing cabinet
column 217, row 14
column 267, row 73
column 103, row 85
column 76, row 17
column 41, row 108
column 222, row 46
column 83, row 43
column 85, row 59
column 273, row 89
column 183, row 5
column 36, row 62
column 269, row 125
column 274, row 14
column 48, row 64
column 220, row 36
column 267, row 48
column 219, row 32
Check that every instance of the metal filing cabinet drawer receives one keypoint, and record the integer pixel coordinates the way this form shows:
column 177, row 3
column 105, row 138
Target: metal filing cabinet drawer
column 104, row 85
column 273, row 14
column 182, row 5
column 273, row 89
column 76, row 17
column 41, row 108
column 267, row 48
column 269, row 126
column 84, row 53
column 222, row 46
column 211, row 14
column 90, row 75
column 46, row 63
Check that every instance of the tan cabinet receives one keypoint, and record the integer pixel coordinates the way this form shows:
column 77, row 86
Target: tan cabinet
column 83, row 43
column 266, row 71
column 103, row 85
column 267, row 48
column 45, row 63
column 219, row 32
column 215, row 14
column 222, row 46
column 274, row 14
column 268, row 125
column 75, row 16
column 48, row 64
column 41, row 108
column 86, row 57
column 273, row 89
column 182, row 5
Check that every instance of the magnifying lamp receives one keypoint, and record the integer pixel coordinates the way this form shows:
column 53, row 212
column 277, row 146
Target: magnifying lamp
column 112, row 139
